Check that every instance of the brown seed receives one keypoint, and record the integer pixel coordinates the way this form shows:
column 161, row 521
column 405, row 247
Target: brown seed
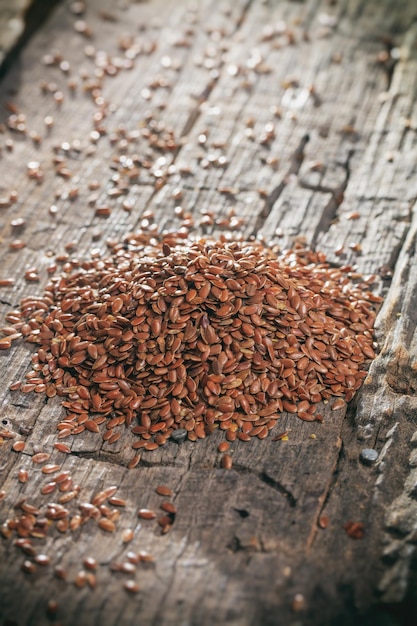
column 50, row 468
column 42, row 559
column 134, row 461
column 115, row 501
column 62, row 447
column 52, row 608
column 90, row 563
column 131, row 586
column 28, row 567
column 163, row 490
column 146, row 514
column 107, row 525
column 91, row 426
column 127, row 535
column 18, row 446
column 40, row 457
column 60, row 572
column 169, row 507
column 80, row 579
column 22, row 476
column 48, row 488
column 355, row 530
column 102, row 496
column 127, row 567
column 6, row 282
column 227, row 461
column 323, row 521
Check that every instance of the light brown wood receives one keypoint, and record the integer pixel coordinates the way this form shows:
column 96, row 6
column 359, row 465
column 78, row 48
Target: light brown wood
column 335, row 84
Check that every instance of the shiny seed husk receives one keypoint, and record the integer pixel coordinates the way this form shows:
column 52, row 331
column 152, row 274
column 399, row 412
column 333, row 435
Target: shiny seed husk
column 146, row 514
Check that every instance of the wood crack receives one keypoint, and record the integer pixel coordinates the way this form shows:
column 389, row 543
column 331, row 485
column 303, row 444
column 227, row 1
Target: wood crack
column 326, row 495
column 329, row 212
column 271, row 482
column 296, row 161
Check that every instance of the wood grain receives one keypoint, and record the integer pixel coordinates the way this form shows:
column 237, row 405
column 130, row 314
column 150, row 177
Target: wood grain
column 334, row 84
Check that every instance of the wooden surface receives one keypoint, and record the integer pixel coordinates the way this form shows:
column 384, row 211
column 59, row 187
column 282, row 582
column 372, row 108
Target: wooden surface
column 335, row 84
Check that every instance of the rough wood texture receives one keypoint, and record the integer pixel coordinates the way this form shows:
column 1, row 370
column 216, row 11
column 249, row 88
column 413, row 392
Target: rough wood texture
column 338, row 81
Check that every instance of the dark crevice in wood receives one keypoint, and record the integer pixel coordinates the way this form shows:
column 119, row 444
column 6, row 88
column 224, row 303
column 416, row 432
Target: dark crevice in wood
column 196, row 111
column 296, row 161
column 162, row 609
column 324, row 499
column 329, row 212
column 205, row 93
column 271, row 482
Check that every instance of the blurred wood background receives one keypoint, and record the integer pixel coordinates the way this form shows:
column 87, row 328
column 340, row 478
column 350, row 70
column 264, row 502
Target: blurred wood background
column 285, row 119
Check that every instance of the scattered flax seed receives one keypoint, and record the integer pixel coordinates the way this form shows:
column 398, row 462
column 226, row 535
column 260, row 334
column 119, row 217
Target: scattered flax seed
column 355, row 530
column 115, row 501
column 127, row 567
column 60, row 572
column 22, row 476
column 18, row 446
column 62, row 447
column 145, row 557
column 107, row 525
column 163, row 490
column 52, row 608
column 298, row 603
column 90, row 563
column 42, row 559
column 80, row 579
column 146, row 514
column 323, row 521
column 50, row 468
column 28, row 567
column 17, row 244
column 131, row 586
column 6, row 282
column 41, row 457
column 339, row 403
column 169, row 507
column 227, row 461
column 127, row 535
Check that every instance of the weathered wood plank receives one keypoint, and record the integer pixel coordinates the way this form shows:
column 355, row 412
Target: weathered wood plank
column 244, row 541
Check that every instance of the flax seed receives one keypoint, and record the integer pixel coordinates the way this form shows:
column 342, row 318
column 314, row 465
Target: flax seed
column 169, row 507
column 41, row 457
column 163, row 490
column 18, row 446
column 90, row 563
column 146, row 514
column 42, row 559
column 227, row 461
column 22, row 476
column 127, row 535
column 131, row 586
column 62, row 447
column 107, row 525
column 28, row 567
column 110, row 361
